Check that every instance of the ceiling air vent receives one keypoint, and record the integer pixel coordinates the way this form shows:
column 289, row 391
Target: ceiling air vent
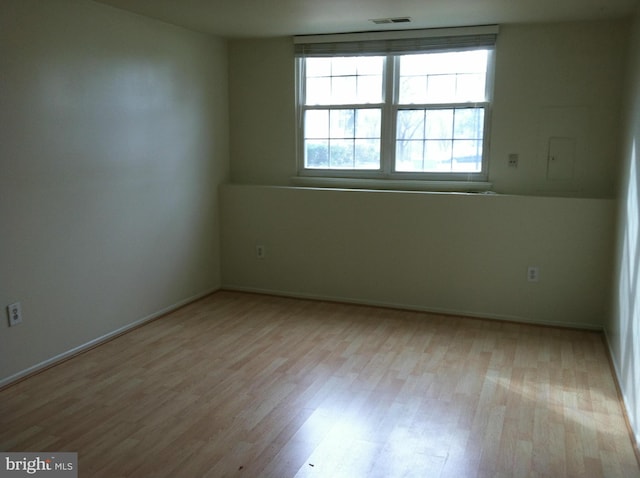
column 381, row 21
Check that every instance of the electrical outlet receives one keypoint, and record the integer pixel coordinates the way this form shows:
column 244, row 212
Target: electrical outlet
column 14, row 311
column 261, row 252
column 513, row 160
column 533, row 273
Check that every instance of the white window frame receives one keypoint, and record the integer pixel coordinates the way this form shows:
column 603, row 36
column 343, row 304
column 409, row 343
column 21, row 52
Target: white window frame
column 392, row 44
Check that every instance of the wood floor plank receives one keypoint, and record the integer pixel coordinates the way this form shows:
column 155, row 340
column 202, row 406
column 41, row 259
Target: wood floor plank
column 247, row 385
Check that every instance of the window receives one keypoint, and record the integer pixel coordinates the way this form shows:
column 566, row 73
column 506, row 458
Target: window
column 398, row 105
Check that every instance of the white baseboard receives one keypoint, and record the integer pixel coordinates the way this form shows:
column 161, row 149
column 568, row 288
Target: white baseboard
column 97, row 341
column 625, row 400
column 418, row 308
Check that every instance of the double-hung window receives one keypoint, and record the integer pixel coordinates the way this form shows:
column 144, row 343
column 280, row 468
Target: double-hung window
column 395, row 105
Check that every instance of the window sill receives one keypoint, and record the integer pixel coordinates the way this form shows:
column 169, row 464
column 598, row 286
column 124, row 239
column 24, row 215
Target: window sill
column 399, row 184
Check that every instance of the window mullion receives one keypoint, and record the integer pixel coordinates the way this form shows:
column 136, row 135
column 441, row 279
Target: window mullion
column 301, row 92
column 387, row 148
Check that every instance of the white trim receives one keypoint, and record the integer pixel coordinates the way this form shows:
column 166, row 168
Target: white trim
column 625, row 401
column 99, row 340
column 390, row 184
column 397, row 34
column 414, row 307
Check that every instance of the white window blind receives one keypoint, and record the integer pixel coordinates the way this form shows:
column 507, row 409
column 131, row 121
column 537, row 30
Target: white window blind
column 395, row 42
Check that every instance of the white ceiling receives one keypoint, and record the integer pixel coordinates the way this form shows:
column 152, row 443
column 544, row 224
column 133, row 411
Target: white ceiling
column 262, row 18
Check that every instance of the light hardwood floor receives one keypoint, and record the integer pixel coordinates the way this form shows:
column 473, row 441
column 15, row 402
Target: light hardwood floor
column 257, row 386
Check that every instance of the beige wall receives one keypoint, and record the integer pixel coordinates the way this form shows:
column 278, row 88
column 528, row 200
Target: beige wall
column 558, row 80
column 262, row 117
column 623, row 328
column 113, row 137
column 551, row 80
column 450, row 253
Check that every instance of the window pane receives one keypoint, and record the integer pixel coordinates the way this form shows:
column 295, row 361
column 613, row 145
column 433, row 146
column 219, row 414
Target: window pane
column 318, row 67
column 370, row 65
column 316, row 154
column 473, row 61
column 452, row 140
column 433, row 165
column 441, row 63
column 467, row 156
column 438, row 154
column 443, row 77
column 316, row 124
column 439, row 124
column 342, row 124
column 441, row 88
column 413, row 89
column 368, row 123
column 410, row 124
column 343, row 139
column 318, row 91
column 367, row 153
column 343, row 90
column 369, row 89
column 345, row 65
column 414, row 65
column 344, row 80
column 469, row 123
column 341, row 154
column 409, row 155
column 470, row 87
